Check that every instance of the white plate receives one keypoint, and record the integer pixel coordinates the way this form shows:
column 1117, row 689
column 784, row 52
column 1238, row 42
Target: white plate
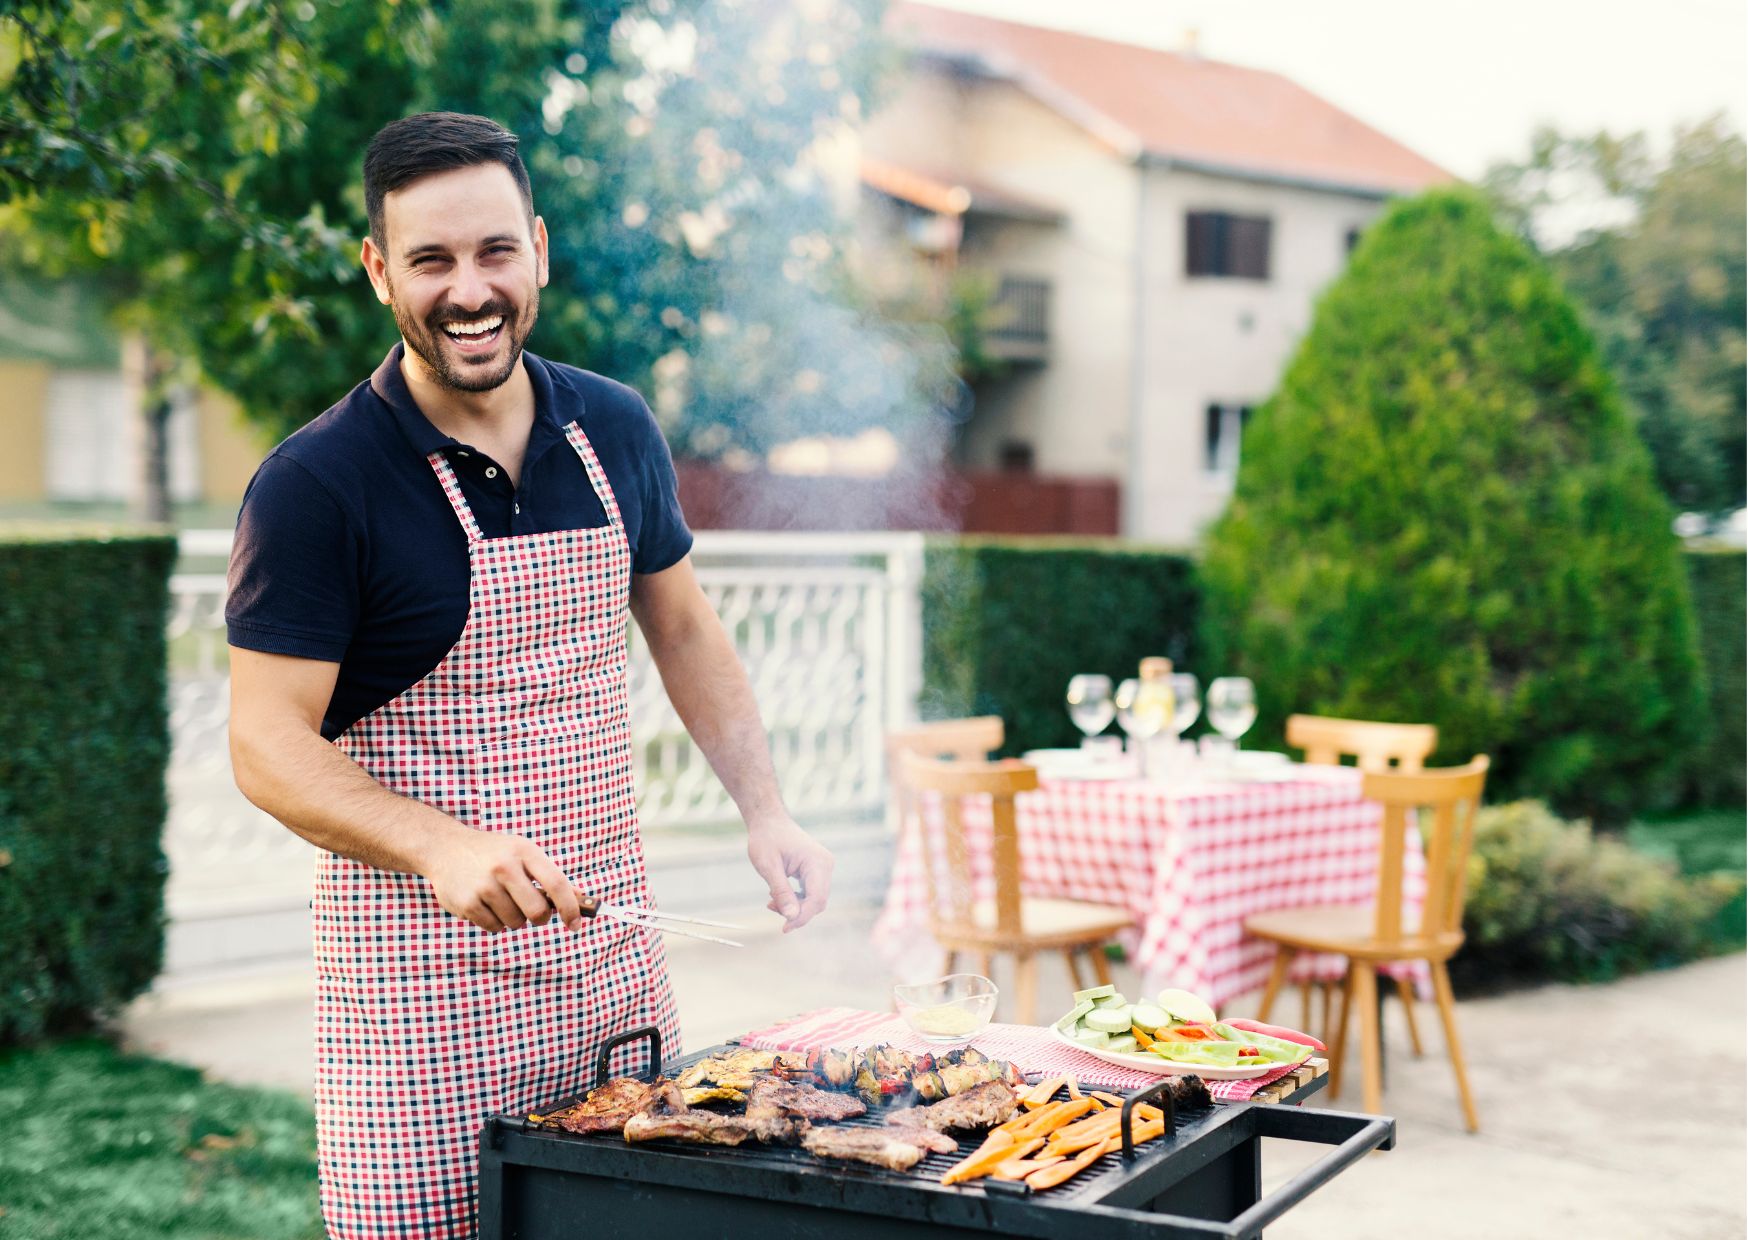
column 1077, row 764
column 1165, row 1067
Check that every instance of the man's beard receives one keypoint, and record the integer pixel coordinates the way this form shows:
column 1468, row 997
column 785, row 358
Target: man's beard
column 426, row 341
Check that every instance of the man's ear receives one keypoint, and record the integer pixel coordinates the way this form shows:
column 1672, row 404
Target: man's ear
column 540, row 249
column 376, row 267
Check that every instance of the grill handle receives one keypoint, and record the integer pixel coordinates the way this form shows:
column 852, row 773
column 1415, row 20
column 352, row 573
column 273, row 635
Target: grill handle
column 1153, row 1093
column 604, row 1061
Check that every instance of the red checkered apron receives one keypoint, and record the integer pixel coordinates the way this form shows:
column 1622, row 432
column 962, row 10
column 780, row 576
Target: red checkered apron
column 425, row 1024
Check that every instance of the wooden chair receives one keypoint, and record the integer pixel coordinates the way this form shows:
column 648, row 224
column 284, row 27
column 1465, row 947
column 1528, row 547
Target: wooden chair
column 964, row 740
column 1022, row 926
column 1374, row 935
column 1375, row 747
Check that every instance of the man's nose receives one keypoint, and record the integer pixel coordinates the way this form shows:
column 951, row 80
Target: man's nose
column 468, row 287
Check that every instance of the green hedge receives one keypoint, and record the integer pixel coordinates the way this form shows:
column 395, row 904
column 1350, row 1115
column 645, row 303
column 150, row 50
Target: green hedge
column 1719, row 582
column 1548, row 901
column 82, row 797
column 1444, row 513
column 1006, row 622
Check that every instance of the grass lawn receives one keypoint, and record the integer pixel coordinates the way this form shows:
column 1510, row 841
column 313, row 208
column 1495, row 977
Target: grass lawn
column 98, row 1143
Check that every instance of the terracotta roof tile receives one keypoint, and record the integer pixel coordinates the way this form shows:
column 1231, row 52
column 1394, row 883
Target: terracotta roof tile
column 1172, row 104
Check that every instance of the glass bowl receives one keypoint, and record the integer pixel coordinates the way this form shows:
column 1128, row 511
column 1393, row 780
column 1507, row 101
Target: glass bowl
column 950, row 1010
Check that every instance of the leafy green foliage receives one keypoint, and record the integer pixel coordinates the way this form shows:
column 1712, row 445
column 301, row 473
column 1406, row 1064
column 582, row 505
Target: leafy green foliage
column 1443, row 515
column 1659, row 269
column 82, row 800
column 1007, row 622
column 149, row 1149
column 1719, row 581
column 1548, row 901
column 671, row 145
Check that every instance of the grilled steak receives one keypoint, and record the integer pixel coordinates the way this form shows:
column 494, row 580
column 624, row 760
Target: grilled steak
column 983, row 1106
column 700, row 1126
column 801, row 1101
column 924, row 1138
column 879, row 1146
column 739, row 1068
column 607, row 1108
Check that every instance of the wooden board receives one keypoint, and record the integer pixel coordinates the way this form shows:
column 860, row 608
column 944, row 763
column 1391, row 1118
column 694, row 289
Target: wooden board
column 1295, row 1080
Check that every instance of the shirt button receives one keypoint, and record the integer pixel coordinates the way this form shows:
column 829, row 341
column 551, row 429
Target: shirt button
column 491, row 471
column 518, row 508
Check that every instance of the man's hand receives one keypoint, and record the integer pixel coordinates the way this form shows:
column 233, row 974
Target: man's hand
column 489, row 879
column 780, row 851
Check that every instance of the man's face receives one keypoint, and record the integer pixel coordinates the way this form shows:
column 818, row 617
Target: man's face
column 462, row 273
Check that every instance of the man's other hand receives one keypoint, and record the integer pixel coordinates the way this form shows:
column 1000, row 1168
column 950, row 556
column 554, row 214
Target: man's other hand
column 780, row 851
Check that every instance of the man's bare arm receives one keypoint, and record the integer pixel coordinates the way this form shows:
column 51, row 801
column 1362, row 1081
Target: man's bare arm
column 283, row 765
column 709, row 688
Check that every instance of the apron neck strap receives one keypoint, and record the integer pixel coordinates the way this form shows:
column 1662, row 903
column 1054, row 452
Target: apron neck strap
column 458, row 501
column 597, row 476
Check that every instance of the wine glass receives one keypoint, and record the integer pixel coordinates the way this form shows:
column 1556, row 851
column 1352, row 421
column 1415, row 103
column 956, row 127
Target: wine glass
column 1139, row 712
column 1090, row 704
column 1232, row 707
column 1187, row 696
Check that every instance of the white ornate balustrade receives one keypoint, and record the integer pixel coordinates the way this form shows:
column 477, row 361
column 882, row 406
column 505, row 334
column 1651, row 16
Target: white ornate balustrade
column 828, row 626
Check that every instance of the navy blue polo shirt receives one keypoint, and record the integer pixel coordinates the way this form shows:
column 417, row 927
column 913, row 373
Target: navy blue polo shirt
column 347, row 549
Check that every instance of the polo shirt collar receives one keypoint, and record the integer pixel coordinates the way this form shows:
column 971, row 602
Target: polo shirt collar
column 390, row 385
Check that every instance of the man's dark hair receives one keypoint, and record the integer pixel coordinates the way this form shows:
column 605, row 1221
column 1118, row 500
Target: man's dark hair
column 415, row 146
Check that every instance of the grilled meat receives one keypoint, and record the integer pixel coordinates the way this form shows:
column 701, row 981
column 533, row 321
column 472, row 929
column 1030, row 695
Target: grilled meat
column 711, row 1093
column 608, row 1107
column 923, row 1138
column 870, row 1145
column 700, row 1126
column 982, row 1106
column 801, row 1101
column 738, row 1069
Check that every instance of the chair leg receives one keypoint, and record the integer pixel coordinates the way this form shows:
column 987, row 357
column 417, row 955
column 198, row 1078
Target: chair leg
column 1405, row 988
column 952, row 964
column 1101, row 966
column 1365, row 997
column 1337, row 1038
column 1305, row 1003
column 1026, row 987
column 1277, row 975
column 986, row 965
column 1447, row 1009
column 1074, row 969
column 1326, row 1022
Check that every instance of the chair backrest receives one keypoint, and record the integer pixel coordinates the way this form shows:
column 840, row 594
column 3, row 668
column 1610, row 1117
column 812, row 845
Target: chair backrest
column 1375, row 745
column 1452, row 795
column 954, row 781
column 965, row 740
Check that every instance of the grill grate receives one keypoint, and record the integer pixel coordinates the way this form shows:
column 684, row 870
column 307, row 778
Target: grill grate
column 929, row 1171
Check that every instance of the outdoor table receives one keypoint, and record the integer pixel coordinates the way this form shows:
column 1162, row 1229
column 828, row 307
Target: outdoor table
column 1189, row 860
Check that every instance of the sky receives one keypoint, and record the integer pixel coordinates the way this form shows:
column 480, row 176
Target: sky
column 1463, row 84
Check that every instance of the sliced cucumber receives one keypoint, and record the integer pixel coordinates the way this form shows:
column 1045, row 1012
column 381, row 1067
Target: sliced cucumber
column 1067, row 1023
column 1109, row 1020
column 1147, row 1017
column 1185, row 1006
column 1113, row 1000
column 1123, row 1044
column 1093, row 1038
column 1094, row 993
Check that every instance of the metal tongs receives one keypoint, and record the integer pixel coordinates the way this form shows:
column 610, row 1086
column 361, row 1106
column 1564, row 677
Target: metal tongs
column 594, row 906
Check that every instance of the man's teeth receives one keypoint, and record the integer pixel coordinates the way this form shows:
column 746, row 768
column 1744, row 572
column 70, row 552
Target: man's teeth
column 478, row 328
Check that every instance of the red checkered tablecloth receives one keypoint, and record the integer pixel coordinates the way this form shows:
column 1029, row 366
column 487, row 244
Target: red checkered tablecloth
column 1190, row 863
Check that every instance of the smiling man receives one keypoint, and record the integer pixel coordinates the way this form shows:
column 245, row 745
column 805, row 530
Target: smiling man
column 427, row 609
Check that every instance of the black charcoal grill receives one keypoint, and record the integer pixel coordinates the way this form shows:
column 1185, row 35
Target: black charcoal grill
column 1200, row 1181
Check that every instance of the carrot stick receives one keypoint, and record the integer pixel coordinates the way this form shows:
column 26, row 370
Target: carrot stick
column 1043, row 1091
column 1141, row 1037
column 987, row 1159
column 1074, row 1094
column 1110, row 1100
column 1080, row 1136
column 1021, row 1125
column 1020, row 1168
column 1055, row 1174
column 1062, row 1115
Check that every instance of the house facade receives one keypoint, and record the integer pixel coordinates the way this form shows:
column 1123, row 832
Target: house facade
column 1158, row 227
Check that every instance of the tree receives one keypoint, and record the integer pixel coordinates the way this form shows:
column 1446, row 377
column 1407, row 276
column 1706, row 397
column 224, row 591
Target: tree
column 1654, row 251
column 1443, row 515
column 674, row 148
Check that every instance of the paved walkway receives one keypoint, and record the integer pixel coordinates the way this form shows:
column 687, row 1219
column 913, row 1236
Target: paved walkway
column 1610, row 1111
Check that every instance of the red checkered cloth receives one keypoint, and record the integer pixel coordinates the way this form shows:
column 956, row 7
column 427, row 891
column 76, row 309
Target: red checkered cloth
column 1030, row 1047
column 1188, row 863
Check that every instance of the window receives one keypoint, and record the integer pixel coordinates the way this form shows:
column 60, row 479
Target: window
column 1219, row 244
column 1225, row 427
